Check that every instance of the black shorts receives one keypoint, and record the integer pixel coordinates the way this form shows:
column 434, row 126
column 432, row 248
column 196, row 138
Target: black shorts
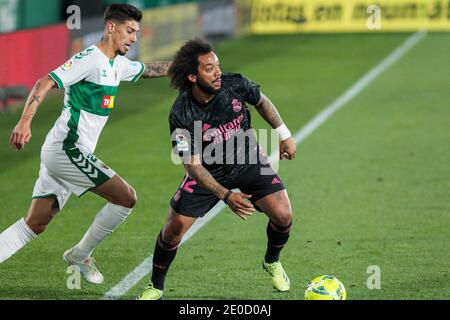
column 194, row 201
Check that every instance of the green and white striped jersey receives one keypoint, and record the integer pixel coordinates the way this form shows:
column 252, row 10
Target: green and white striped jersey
column 91, row 83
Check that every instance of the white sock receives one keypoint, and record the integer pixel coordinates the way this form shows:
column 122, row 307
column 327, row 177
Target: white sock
column 106, row 221
column 15, row 238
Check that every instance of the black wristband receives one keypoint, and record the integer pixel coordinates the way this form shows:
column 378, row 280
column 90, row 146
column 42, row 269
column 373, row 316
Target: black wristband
column 227, row 195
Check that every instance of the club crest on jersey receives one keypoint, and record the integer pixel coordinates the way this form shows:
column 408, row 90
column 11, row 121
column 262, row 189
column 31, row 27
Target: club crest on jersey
column 108, row 102
column 237, row 105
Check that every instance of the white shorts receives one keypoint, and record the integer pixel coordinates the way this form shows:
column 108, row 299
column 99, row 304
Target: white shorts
column 63, row 173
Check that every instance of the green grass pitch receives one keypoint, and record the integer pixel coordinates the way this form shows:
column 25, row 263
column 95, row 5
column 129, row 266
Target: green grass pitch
column 369, row 187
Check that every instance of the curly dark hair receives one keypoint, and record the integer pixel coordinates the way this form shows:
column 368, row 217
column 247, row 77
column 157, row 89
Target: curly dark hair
column 122, row 12
column 186, row 63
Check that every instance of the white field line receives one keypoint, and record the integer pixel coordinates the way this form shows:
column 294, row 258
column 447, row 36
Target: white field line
column 145, row 267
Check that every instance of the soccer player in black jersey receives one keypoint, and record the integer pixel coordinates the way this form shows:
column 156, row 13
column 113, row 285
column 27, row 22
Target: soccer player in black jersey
column 211, row 132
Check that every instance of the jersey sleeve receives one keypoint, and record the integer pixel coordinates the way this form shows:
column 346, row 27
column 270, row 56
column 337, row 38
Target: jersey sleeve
column 73, row 71
column 131, row 70
column 183, row 137
column 249, row 90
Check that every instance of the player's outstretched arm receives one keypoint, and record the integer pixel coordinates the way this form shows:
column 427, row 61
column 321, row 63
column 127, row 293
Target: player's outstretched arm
column 22, row 132
column 156, row 69
column 265, row 107
column 235, row 200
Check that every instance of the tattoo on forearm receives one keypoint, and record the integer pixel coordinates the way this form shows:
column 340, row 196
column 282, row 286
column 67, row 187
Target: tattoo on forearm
column 156, row 69
column 205, row 179
column 268, row 111
column 35, row 98
column 37, row 95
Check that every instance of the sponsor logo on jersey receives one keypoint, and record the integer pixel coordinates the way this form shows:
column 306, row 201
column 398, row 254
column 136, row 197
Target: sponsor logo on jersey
column 276, row 181
column 182, row 143
column 224, row 132
column 67, row 66
column 108, row 102
column 206, row 127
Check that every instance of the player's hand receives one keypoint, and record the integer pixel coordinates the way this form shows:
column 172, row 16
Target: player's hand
column 242, row 208
column 288, row 149
column 20, row 136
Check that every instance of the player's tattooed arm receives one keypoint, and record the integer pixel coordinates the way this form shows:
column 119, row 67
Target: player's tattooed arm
column 267, row 110
column 235, row 200
column 156, row 69
column 22, row 132
column 36, row 97
column 197, row 172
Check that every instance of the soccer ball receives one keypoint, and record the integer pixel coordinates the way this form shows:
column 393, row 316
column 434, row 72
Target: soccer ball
column 325, row 288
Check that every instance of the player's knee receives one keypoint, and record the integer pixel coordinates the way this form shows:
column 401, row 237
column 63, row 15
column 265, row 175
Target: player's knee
column 130, row 199
column 283, row 217
column 174, row 236
column 133, row 198
column 38, row 229
column 172, row 243
column 36, row 226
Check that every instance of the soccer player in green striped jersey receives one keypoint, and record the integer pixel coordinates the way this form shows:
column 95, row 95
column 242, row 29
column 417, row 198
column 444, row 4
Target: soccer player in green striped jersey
column 68, row 164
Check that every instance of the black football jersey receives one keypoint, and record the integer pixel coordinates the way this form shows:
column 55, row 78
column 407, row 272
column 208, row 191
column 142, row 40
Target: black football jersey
column 219, row 131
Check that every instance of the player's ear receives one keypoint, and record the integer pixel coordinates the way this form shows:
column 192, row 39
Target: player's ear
column 110, row 26
column 192, row 78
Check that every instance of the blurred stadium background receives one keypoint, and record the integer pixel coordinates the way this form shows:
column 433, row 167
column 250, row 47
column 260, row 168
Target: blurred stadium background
column 369, row 188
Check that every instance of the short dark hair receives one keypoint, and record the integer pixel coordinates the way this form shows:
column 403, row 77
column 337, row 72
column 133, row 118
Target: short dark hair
column 186, row 63
column 122, row 12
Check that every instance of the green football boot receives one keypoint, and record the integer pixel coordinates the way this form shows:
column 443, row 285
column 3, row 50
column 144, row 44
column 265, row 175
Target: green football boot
column 151, row 293
column 280, row 280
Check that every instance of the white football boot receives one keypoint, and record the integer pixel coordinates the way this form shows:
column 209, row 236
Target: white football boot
column 87, row 267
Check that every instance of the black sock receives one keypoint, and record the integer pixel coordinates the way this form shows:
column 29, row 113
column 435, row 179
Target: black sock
column 162, row 259
column 277, row 237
